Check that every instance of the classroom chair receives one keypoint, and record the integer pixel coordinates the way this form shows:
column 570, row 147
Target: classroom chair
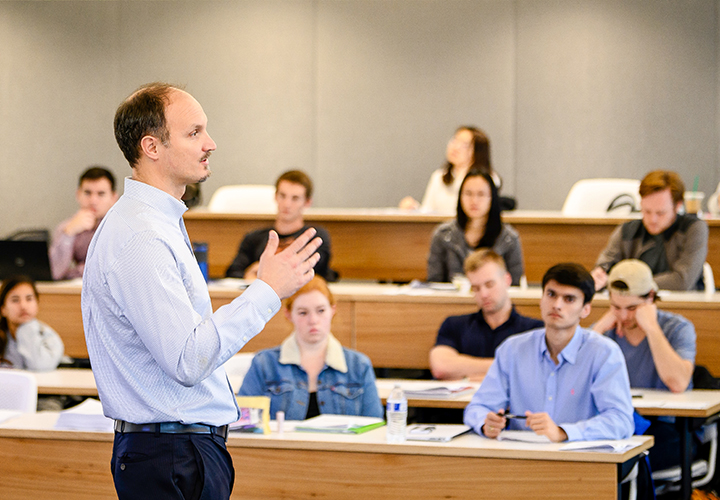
column 18, row 391
column 600, row 196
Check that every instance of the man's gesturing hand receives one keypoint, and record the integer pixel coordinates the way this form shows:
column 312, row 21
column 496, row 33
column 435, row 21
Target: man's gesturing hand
column 290, row 269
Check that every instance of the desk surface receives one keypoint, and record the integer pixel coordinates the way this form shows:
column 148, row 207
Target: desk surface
column 41, row 426
column 696, row 403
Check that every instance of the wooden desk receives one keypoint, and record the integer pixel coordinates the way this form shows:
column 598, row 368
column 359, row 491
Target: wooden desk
column 683, row 406
column 395, row 329
column 392, row 245
column 66, row 382
column 75, row 465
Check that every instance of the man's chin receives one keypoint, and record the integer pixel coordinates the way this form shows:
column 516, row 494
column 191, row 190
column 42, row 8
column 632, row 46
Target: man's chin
column 208, row 173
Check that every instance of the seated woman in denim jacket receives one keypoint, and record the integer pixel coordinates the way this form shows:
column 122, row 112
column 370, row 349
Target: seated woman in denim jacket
column 310, row 372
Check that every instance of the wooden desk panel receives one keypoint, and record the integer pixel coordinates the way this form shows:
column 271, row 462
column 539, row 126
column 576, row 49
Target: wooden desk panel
column 395, row 331
column 37, row 460
column 80, row 470
column 375, row 247
column 370, row 244
column 391, row 477
column 401, row 334
column 60, row 308
column 279, row 327
column 58, row 469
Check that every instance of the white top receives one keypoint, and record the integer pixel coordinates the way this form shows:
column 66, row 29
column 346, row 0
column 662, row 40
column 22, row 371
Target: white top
column 442, row 198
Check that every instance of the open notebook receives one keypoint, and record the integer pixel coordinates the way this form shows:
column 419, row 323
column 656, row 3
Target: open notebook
column 437, row 433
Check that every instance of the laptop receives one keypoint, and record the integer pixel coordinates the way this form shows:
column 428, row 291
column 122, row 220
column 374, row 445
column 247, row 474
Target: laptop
column 29, row 258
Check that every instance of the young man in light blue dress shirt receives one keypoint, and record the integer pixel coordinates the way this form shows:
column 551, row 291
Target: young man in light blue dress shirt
column 567, row 382
column 156, row 347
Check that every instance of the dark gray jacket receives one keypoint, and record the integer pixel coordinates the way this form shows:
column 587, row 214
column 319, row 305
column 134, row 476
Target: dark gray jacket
column 686, row 247
column 448, row 250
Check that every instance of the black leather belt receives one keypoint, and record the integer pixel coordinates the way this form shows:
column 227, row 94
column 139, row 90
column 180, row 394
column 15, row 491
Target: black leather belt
column 172, row 428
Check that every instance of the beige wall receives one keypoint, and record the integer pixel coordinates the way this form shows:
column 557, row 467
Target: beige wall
column 364, row 94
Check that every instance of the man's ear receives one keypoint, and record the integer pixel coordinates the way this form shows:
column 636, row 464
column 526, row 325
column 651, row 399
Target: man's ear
column 150, row 146
column 586, row 310
column 308, row 202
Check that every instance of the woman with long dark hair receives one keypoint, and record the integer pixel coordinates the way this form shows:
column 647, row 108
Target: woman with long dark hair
column 477, row 225
column 25, row 342
column 469, row 149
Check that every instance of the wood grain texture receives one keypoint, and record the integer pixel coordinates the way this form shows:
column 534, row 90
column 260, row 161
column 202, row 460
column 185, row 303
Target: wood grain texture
column 394, row 247
column 395, row 331
column 65, row 469
column 300, row 474
column 57, row 469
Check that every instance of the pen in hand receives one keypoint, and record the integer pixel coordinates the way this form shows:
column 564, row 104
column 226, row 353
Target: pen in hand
column 511, row 415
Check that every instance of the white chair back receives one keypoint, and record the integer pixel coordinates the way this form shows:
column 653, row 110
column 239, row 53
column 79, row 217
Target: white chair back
column 244, row 198
column 708, row 279
column 600, row 196
column 18, row 391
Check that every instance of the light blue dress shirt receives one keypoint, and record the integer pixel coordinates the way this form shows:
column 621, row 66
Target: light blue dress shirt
column 155, row 345
column 587, row 393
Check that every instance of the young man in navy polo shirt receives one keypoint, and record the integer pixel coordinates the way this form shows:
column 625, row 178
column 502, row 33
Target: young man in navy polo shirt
column 466, row 344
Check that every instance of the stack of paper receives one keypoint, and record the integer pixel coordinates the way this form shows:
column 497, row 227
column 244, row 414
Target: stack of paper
column 524, row 436
column 433, row 390
column 342, row 424
column 87, row 416
column 615, row 446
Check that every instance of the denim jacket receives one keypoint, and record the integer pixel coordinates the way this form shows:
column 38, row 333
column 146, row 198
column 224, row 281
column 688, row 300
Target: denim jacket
column 345, row 386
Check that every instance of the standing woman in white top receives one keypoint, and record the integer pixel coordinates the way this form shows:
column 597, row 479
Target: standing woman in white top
column 468, row 149
column 25, row 342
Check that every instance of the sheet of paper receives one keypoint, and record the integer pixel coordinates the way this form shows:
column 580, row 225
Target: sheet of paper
column 524, row 436
column 617, row 446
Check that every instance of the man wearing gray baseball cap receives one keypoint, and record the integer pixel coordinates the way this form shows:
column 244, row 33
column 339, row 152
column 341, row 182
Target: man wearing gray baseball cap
column 659, row 346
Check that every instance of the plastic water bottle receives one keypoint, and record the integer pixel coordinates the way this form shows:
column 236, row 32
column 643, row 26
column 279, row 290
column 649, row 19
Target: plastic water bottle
column 396, row 415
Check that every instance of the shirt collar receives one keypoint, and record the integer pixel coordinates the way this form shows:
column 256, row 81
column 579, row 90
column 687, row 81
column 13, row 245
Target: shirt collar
column 569, row 353
column 334, row 357
column 154, row 197
column 512, row 317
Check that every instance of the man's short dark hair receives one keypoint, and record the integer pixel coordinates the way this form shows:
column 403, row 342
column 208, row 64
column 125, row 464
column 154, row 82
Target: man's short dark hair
column 297, row 177
column 98, row 172
column 571, row 274
column 141, row 114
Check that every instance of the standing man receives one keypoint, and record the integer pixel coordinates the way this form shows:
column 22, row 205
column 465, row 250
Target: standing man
column 95, row 195
column 567, row 382
column 658, row 346
column 156, row 347
column 674, row 245
column 293, row 194
column 466, row 344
